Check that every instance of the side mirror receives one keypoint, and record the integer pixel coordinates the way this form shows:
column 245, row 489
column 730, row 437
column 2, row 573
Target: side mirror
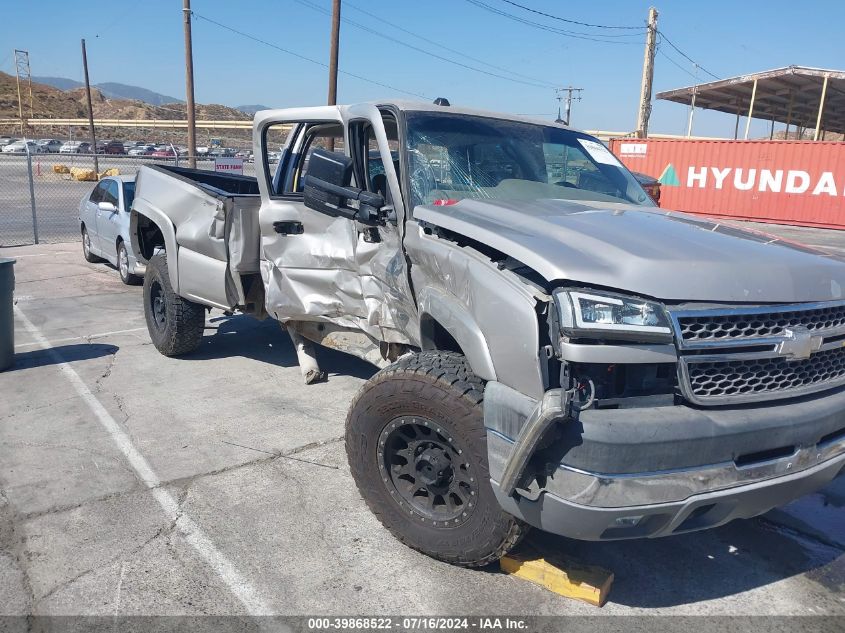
column 108, row 207
column 327, row 189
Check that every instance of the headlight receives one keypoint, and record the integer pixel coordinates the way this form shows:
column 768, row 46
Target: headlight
column 606, row 315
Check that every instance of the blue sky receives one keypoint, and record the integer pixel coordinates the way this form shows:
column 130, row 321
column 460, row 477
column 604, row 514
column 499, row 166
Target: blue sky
column 140, row 42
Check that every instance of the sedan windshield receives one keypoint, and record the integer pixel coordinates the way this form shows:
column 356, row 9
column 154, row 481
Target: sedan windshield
column 453, row 157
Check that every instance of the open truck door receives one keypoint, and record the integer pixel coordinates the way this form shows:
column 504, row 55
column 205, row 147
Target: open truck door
column 324, row 264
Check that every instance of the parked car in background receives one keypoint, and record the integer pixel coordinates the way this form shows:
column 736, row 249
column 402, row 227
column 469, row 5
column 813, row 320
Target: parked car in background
column 20, row 147
column 110, row 147
column 5, row 140
column 75, row 147
column 142, row 150
column 104, row 224
column 222, row 152
column 650, row 184
column 164, row 152
column 50, row 145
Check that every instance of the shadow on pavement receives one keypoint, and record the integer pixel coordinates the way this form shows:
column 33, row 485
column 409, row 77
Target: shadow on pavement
column 266, row 341
column 700, row 566
column 68, row 353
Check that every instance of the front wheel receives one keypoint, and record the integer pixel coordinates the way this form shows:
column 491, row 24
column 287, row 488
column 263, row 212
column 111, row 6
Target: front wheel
column 175, row 324
column 417, row 450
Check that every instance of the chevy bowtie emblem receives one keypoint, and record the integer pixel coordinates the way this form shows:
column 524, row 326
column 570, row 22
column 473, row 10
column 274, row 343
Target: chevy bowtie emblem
column 798, row 343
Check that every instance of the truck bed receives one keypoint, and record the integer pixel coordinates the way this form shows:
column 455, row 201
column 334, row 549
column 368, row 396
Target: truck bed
column 220, row 185
column 214, row 219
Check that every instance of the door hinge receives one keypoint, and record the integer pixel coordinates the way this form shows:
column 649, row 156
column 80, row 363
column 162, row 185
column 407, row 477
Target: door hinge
column 288, row 227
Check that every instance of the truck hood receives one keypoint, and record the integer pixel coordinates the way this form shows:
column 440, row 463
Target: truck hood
column 645, row 250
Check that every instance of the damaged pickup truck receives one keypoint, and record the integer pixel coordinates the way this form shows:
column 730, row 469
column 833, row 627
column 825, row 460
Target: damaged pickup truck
column 555, row 350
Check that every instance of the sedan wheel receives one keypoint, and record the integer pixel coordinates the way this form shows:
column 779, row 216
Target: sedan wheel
column 86, row 248
column 123, row 266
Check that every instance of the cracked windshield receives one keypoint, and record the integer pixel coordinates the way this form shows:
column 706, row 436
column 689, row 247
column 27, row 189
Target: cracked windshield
column 453, row 157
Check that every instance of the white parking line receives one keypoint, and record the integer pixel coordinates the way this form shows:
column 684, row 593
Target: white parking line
column 87, row 337
column 240, row 587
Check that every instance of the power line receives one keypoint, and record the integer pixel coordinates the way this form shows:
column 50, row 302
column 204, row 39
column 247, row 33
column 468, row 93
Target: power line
column 660, row 50
column 555, row 17
column 303, row 57
column 685, row 56
column 551, row 29
column 443, row 46
column 424, row 51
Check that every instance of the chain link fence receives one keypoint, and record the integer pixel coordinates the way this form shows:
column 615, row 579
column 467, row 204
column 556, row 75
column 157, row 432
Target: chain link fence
column 39, row 202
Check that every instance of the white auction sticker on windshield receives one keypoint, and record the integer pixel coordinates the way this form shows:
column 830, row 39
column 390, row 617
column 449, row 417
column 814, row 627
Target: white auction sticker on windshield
column 599, row 152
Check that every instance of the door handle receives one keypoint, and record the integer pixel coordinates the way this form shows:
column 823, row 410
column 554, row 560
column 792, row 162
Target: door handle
column 288, row 227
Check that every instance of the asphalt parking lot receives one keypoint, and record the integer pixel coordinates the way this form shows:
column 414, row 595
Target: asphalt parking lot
column 131, row 483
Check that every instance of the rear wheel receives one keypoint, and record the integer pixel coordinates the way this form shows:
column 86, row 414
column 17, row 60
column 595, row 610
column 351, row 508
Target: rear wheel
column 175, row 324
column 417, row 450
column 123, row 266
column 86, row 248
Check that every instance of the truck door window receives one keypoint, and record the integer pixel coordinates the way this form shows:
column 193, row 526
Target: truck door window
column 322, row 136
column 276, row 137
column 375, row 177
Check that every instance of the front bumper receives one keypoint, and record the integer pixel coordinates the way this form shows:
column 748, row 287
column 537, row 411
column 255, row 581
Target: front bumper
column 647, row 472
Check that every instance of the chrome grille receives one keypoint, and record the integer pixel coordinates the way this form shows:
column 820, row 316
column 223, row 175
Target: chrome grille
column 765, row 375
column 726, row 326
column 745, row 354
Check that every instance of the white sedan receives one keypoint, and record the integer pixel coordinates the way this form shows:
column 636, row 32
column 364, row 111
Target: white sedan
column 20, row 147
column 104, row 223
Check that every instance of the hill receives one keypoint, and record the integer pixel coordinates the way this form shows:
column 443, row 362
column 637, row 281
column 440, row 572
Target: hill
column 111, row 90
column 53, row 103
column 251, row 109
column 47, row 101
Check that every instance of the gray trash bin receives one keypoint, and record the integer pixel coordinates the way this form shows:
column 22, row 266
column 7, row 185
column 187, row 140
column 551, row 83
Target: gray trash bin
column 7, row 317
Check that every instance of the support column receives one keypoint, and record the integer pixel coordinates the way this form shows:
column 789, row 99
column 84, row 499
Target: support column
column 750, row 109
column 821, row 109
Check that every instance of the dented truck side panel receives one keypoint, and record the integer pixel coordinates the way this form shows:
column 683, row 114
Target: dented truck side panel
column 499, row 303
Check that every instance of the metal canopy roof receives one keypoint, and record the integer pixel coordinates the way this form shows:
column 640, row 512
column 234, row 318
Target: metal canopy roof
column 791, row 95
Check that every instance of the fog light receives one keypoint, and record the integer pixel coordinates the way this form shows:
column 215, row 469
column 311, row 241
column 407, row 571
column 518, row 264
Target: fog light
column 628, row 521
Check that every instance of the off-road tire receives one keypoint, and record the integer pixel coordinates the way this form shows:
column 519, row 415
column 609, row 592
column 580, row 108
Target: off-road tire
column 126, row 277
column 180, row 325
column 86, row 248
column 437, row 386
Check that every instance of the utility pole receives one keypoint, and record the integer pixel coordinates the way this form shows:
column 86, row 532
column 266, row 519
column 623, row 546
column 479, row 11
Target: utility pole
column 189, row 86
column 334, row 52
column 90, row 108
column 569, row 98
column 648, row 74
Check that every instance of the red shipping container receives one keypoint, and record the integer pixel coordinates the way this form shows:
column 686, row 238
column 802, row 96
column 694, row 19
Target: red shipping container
column 785, row 182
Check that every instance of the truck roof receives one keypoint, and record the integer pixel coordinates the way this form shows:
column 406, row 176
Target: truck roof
column 423, row 106
column 427, row 106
